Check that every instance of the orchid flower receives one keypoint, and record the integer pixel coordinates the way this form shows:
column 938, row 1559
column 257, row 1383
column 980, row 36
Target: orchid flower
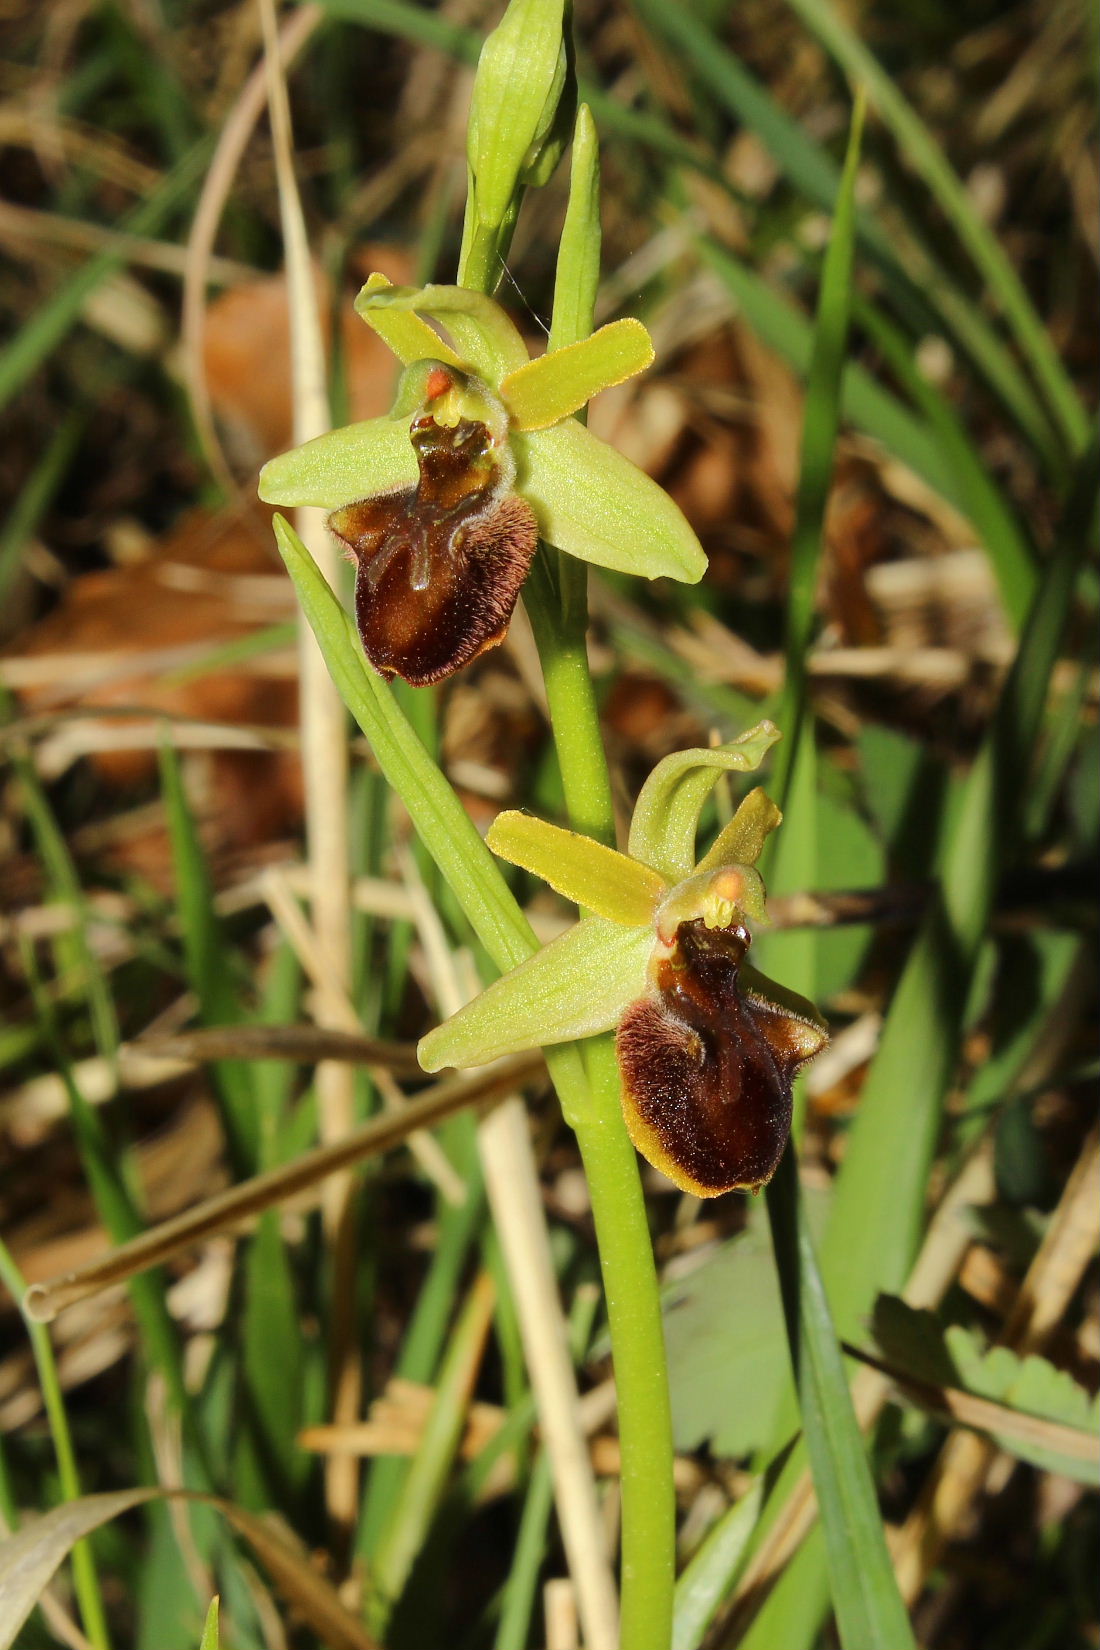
column 441, row 503
column 708, row 1049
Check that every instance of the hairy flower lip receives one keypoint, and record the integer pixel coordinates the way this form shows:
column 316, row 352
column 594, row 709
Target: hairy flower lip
column 708, row 1066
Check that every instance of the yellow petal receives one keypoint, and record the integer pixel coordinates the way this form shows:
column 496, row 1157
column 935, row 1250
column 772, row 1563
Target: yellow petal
column 598, row 878
column 742, row 840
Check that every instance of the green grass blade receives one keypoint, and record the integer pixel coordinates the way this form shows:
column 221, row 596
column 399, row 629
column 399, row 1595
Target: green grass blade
column 423, row 1488
column 925, row 155
column 1011, row 555
column 427, row 1330
column 783, row 327
column 85, row 1577
column 36, row 494
column 928, row 299
column 876, row 1216
column 870, row 1614
column 869, row 1611
column 439, row 817
column 211, row 1639
column 73, row 950
column 714, row 1569
column 208, row 967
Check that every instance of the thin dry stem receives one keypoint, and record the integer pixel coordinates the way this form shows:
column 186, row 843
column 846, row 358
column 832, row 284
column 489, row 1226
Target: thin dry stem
column 217, row 184
column 515, row 1198
column 227, row 1210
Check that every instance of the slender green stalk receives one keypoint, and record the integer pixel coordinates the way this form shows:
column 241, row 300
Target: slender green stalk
column 556, row 600
column 85, row 1579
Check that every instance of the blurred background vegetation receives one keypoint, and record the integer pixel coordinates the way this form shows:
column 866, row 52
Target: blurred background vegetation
column 144, row 377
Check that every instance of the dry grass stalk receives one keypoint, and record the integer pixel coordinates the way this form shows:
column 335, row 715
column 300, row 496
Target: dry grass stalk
column 216, row 187
column 227, row 1210
column 291, row 919
column 325, row 774
column 515, row 1198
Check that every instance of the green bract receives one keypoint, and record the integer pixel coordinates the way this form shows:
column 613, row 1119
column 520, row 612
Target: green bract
column 583, row 982
column 587, row 499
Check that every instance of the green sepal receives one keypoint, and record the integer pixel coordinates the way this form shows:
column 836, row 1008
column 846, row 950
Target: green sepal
column 598, row 878
column 578, row 985
column 666, row 818
column 563, row 380
column 406, row 333
column 593, row 503
column 479, row 329
column 359, row 461
column 741, row 842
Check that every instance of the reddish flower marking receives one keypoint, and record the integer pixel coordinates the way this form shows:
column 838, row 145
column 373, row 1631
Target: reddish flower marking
column 441, row 564
column 708, row 1066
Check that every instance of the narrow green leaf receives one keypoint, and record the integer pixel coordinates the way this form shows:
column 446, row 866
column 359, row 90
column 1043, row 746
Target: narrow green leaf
column 564, row 380
column 666, row 815
column 357, row 461
column 443, row 824
column 601, row 879
column 423, row 1487
column 869, row 1611
column 1011, row 555
column 712, row 1572
column 53, row 319
column 917, row 281
column 208, row 962
column 576, row 986
column 211, row 1639
column 73, row 951
column 34, row 497
column 593, row 503
column 821, row 423
column 30, row 1557
column 872, row 409
column 877, row 1217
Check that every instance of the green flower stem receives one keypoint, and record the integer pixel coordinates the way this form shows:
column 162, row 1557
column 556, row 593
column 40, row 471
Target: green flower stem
column 611, row 1167
column 638, row 1348
column 560, row 638
column 556, row 599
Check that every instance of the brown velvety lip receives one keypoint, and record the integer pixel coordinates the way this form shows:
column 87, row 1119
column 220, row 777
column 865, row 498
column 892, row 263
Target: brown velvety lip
column 708, row 1067
column 440, row 565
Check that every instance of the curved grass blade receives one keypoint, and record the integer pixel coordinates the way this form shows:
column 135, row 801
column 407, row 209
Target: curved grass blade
column 870, row 1614
column 869, row 1611
column 925, row 297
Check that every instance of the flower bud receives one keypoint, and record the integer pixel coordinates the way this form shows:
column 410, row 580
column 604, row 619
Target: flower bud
column 524, row 99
